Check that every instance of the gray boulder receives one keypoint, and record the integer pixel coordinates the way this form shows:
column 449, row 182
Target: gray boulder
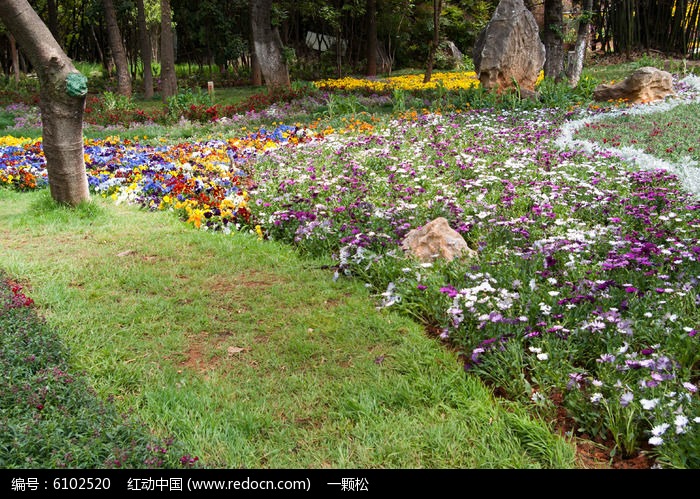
column 509, row 50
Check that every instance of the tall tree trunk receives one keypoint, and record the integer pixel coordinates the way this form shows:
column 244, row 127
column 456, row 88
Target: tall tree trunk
column 582, row 35
column 116, row 45
column 168, row 78
column 53, row 20
column 437, row 8
column 552, row 39
column 15, row 58
column 145, row 49
column 371, row 37
column 268, row 45
column 62, row 99
column 256, row 78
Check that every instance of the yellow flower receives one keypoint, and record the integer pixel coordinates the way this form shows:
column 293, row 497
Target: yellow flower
column 258, row 231
column 196, row 218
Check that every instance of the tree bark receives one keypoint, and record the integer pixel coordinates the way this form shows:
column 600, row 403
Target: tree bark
column 582, row 35
column 435, row 42
column 267, row 45
column 62, row 99
column 145, row 49
column 168, row 78
column 15, row 58
column 371, row 37
column 553, row 40
column 53, row 20
column 256, row 78
column 116, row 45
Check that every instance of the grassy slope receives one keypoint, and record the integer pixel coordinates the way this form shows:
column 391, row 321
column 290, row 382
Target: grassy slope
column 250, row 356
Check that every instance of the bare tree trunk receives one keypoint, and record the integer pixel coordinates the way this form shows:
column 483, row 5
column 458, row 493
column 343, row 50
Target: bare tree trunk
column 53, row 20
column 371, row 37
column 15, row 58
column 552, row 39
column 117, row 47
column 62, row 100
column 168, row 78
column 268, row 45
column 437, row 7
column 145, row 49
column 256, row 78
column 582, row 35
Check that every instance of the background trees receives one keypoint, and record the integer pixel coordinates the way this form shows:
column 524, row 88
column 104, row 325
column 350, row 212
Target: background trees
column 62, row 91
column 330, row 38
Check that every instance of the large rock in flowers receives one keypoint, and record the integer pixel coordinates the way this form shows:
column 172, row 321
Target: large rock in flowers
column 509, row 50
column 646, row 84
column 434, row 240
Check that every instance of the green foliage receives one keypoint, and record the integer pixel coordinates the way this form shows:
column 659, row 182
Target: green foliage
column 343, row 104
column 114, row 102
column 178, row 105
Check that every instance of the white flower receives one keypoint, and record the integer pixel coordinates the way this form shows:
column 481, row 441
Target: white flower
column 656, row 441
column 537, row 397
column 649, row 404
column 659, row 430
column 681, row 423
column 542, row 356
column 596, row 397
column 535, row 350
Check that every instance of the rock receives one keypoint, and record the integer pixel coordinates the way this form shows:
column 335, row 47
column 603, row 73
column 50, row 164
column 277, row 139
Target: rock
column 434, row 240
column 509, row 49
column 646, row 84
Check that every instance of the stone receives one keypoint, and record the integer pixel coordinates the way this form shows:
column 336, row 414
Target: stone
column 508, row 51
column 436, row 239
column 646, row 84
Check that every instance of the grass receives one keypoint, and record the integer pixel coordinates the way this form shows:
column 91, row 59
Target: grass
column 249, row 356
column 671, row 136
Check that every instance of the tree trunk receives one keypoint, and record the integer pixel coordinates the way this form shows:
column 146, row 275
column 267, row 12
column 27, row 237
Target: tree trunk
column 256, row 78
column 53, row 20
column 584, row 23
column 552, row 39
column 437, row 7
column 116, row 45
column 168, row 78
column 371, row 37
column 145, row 49
column 62, row 99
column 15, row 58
column 268, row 45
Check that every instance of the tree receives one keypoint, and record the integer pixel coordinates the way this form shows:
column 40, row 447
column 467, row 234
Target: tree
column 15, row 58
column 371, row 37
column 267, row 45
column 145, row 49
column 168, row 78
column 62, row 99
column 116, row 45
column 553, row 39
column 435, row 42
column 582, row 35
